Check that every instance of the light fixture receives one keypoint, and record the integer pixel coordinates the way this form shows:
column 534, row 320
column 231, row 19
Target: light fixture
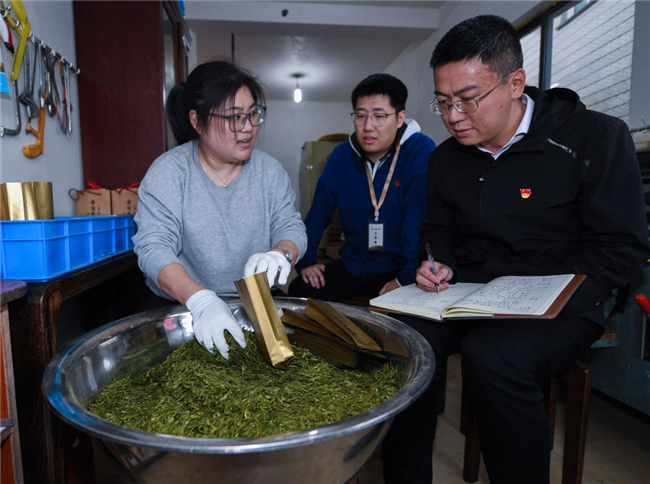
column 297, row 92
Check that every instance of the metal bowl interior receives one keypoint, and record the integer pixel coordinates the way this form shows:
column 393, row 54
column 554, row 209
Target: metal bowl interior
column 136, row 343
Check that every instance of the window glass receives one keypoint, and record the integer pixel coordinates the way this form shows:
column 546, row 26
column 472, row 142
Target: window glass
column 530, row 45
column 592, row 54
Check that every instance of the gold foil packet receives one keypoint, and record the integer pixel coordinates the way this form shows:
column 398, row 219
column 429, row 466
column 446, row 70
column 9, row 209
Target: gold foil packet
column 340, row 325
column 256, row 296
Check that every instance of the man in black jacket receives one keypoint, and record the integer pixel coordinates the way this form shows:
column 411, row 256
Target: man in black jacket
column 530, row 183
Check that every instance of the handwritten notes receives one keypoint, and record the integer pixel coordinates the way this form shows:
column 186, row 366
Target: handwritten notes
column 519, row 295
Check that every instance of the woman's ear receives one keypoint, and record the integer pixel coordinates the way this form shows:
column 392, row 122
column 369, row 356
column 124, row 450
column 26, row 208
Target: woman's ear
column 194, row 119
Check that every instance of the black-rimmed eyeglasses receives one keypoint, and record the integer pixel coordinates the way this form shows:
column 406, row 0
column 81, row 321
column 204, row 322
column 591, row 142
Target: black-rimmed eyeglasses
column 467, row 105
column 236, row 122
column 376, row 119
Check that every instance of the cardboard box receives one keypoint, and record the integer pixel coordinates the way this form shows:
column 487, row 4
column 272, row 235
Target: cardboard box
column 94, row 201
column 124, row 201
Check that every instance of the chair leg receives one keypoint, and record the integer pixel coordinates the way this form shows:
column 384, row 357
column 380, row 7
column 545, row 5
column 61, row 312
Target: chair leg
column 577, row 412
column 578, row 380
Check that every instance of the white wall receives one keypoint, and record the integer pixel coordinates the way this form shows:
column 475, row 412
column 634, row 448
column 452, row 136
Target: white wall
column 288, row 125
column 412, row 66
column 60, row 162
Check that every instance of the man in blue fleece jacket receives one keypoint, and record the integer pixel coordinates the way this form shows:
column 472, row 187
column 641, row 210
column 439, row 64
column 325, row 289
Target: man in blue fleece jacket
column 377, row 181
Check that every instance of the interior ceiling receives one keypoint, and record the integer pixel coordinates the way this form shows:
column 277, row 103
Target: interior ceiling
column 332, row 45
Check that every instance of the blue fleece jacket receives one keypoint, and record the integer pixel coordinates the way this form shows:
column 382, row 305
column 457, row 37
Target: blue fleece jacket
column 343, row 185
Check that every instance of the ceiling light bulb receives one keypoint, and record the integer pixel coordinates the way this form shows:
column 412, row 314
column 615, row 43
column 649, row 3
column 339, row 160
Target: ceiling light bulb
column 297, row 94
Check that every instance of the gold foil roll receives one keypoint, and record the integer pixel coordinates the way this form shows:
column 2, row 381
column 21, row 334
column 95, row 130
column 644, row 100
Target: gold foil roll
column 44, row 200
column 27, row 201
column 4, row 205
column 21, row 204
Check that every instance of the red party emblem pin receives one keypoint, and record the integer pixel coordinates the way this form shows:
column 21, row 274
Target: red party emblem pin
column 397, row 183
column 525, row 192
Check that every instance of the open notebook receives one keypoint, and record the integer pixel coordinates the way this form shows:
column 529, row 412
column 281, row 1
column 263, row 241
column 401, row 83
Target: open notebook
column 504, row 297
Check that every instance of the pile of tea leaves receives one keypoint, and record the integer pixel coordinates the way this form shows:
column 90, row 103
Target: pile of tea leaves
column 196, row 394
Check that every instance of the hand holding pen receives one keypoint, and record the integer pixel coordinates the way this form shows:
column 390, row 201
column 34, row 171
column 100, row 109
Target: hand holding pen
column 431, row 264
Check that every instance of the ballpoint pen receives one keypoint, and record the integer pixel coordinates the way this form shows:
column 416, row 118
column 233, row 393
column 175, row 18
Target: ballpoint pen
column 433, row 267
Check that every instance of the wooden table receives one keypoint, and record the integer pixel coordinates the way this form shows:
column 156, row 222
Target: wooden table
column 105, row 291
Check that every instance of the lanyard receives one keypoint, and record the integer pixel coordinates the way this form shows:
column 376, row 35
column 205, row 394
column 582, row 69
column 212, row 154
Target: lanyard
column 373, row 197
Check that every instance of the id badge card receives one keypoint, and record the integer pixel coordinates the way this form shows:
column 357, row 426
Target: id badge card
column 376, row 235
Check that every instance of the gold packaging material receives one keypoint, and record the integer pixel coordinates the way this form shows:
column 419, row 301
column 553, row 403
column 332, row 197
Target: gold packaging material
column 4, row 204
column 260, row 308
column 20, row 202
column 340, row 325
column 337, row 352
column 44, row 200
column 297, row 320
column 314, row 336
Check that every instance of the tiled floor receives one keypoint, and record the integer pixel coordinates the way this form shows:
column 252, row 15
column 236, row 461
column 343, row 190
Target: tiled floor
column 618, row 446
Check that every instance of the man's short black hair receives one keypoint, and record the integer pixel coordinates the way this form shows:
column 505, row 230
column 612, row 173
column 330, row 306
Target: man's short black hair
column 490, row 38
column 382, row 84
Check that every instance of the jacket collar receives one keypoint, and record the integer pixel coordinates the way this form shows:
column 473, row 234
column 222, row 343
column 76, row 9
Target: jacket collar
column 552, row 108
column 408, row 129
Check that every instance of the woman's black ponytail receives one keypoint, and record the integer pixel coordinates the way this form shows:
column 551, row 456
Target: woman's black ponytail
column 179, row 116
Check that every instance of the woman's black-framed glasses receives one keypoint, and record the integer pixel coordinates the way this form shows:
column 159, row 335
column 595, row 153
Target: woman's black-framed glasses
column 468, row 105
column 236, row 122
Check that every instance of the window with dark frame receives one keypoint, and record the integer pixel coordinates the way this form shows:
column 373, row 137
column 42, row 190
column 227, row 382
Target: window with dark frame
column 584, row 46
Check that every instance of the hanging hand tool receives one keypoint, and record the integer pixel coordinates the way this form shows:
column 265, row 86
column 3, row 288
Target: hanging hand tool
column 68, row 104
column 50, row 101
column 27, row 97
column 32, row 151
column 4, row 87
column 5, row 33
column 62, row 114
column 24, row 28
column 13, row 132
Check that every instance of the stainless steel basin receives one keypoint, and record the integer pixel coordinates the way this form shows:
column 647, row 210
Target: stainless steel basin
column 325, row 455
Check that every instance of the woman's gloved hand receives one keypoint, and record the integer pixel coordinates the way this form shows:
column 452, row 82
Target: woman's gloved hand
column 210, row 318
column 270, row 262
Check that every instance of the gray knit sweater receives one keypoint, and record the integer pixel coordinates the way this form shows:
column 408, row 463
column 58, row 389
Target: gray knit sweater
column 184, row 217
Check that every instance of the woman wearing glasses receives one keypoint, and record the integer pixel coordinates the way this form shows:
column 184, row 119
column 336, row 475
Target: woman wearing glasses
column 213, row 209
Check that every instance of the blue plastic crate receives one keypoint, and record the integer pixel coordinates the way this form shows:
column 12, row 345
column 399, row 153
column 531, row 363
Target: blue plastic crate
column 80, row 234
column 39, row 250
column 124, row 230
column 103, row 236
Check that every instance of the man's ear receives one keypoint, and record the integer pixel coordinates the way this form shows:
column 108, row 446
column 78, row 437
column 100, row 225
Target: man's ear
column 194, row 119
column 401, row 116
column 518, row 82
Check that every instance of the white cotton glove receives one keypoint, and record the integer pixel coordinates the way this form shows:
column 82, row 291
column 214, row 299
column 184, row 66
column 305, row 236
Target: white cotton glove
column 210, row 318
column 271, row 263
